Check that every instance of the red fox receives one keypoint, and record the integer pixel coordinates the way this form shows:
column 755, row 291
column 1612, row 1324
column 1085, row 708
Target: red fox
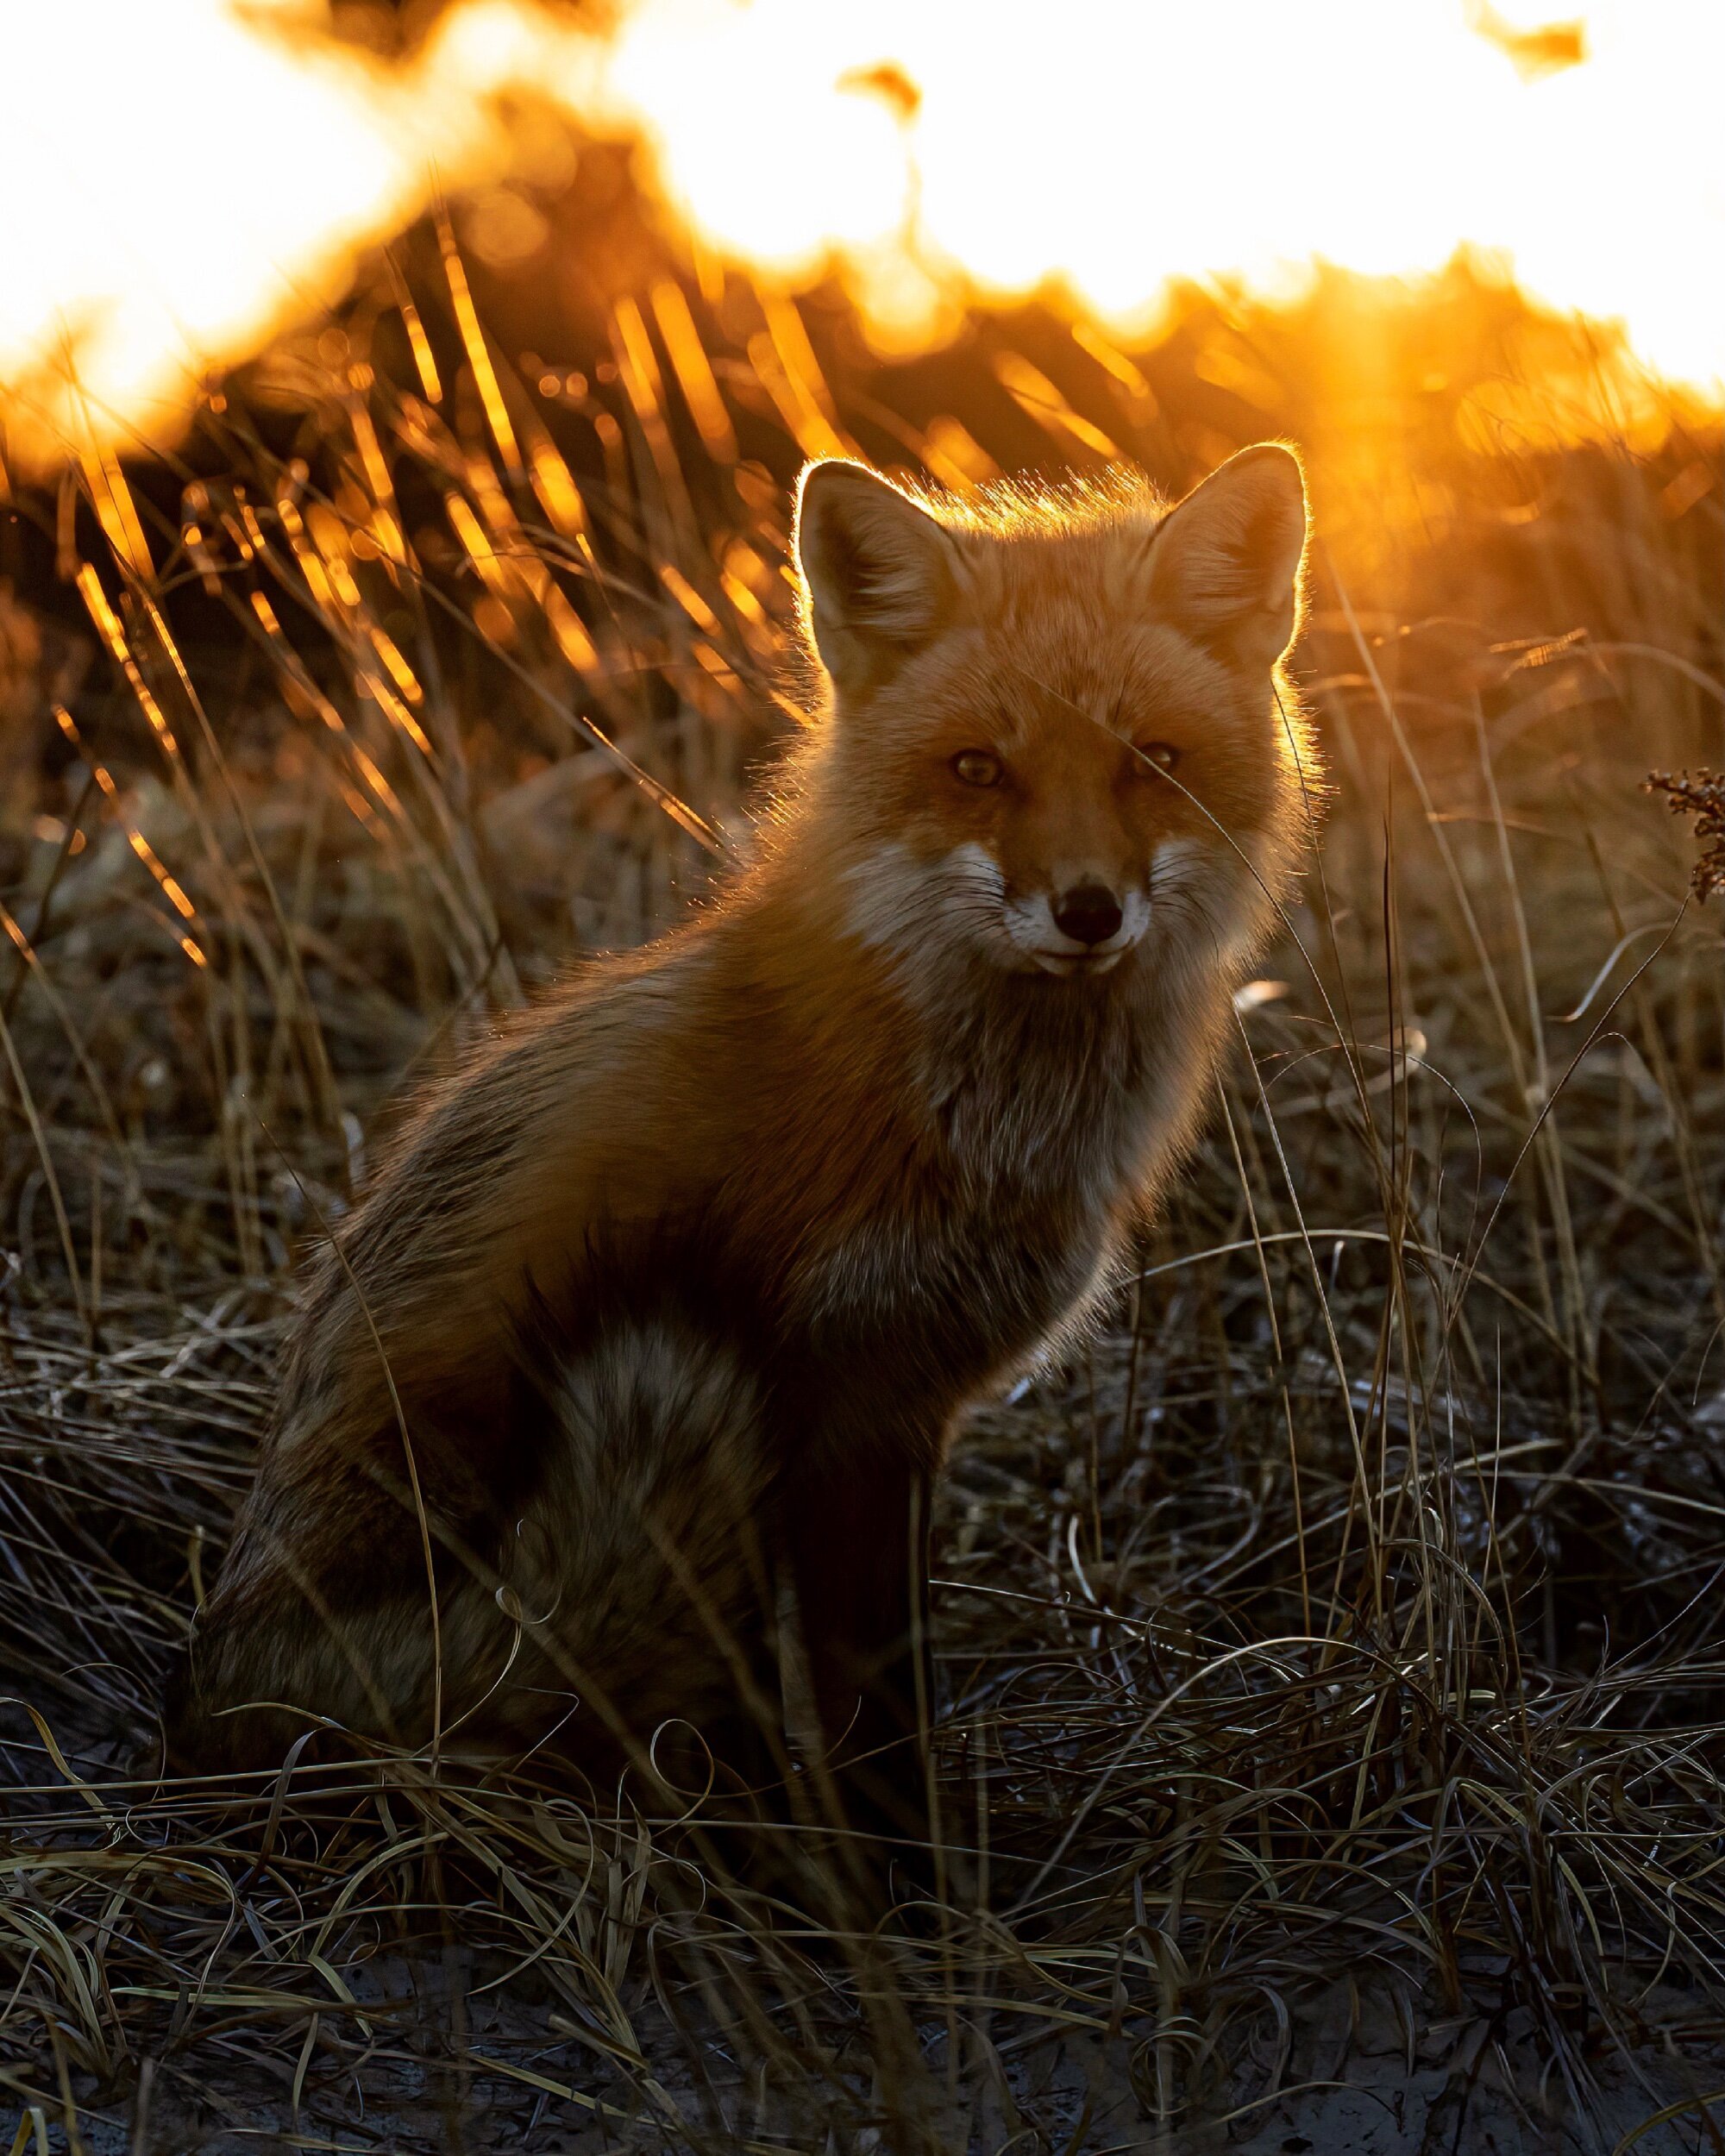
column 659, row 1320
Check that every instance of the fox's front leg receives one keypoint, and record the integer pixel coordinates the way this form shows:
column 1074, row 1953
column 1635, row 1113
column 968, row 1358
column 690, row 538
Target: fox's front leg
column 856, row 1537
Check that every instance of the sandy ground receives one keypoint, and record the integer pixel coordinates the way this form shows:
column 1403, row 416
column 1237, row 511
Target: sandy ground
column 1358, row 2078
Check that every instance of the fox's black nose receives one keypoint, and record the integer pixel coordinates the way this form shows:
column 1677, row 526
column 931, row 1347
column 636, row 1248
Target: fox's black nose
column 1088, row 915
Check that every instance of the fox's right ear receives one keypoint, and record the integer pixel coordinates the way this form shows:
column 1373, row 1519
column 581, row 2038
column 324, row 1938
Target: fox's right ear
column 878, row 574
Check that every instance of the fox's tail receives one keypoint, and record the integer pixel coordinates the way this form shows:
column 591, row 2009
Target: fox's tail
column 625, row 1587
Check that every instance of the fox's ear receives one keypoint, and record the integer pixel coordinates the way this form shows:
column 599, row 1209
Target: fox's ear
column 877, row 571
column 1224, row 563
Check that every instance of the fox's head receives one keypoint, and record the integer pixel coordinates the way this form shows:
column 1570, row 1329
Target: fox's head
column 1057, row 739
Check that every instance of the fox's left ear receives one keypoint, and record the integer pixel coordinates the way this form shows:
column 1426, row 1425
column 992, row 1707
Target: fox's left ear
column 1224, row 563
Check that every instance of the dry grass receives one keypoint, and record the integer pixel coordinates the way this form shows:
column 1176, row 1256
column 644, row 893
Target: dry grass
column 1334, row 1670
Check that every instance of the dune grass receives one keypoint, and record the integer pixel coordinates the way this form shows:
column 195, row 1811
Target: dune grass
column 1331, row 1656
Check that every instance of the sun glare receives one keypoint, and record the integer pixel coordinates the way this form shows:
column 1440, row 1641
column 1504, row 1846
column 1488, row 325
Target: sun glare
column 186, row 176
column 194, row 173
column 1115, row 146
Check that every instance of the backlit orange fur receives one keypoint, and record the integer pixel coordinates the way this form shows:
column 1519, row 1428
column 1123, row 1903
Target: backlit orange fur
column 672, row 1296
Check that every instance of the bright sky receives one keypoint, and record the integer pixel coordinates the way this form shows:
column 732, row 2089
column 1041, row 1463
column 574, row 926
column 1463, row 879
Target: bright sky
column 185, row 176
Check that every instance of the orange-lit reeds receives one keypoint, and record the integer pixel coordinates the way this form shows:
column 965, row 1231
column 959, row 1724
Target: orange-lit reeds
column 478, row 352
column 170, row 888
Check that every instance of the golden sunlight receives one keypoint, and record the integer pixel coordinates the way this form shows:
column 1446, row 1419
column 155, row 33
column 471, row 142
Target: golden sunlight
column 926, row 147
column 1116, row 145
column 189, row 176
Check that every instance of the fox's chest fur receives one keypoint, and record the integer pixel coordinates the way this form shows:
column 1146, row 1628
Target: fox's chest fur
column 1023, row 1141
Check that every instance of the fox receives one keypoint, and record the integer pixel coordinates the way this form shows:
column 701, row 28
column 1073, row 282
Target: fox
column 643, row 1353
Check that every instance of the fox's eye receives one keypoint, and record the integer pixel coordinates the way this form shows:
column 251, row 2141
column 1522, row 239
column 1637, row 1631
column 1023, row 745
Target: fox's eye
column 976, row 766
column 1161, row 753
